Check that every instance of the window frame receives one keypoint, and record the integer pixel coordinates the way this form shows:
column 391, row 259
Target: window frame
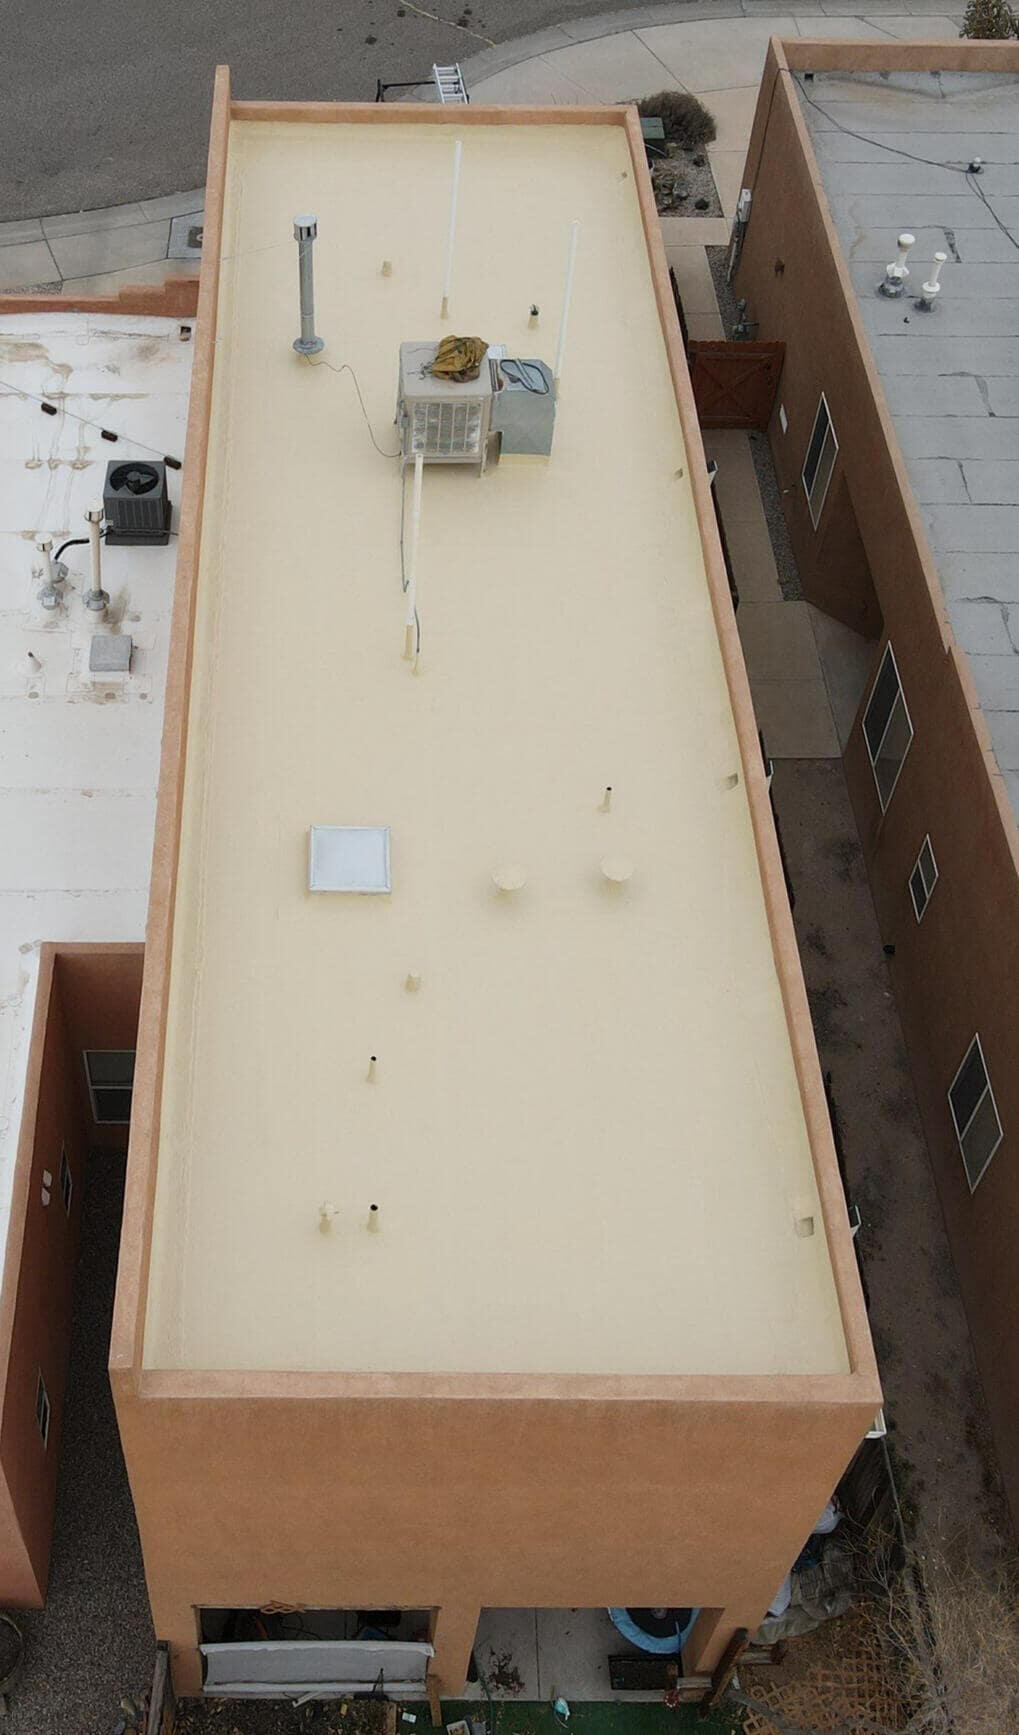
column 43, row 1409
column 94, row 1087
column 988, row 1090
column 815, row 511
column 66, row 1179
column 920, row 910
column 901, row 698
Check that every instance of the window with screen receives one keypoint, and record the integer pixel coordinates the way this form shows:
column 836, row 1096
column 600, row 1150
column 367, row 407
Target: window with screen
column 110, row 1075
column 887, row 728
column 975, row 1114
column 819, row 461
column 923, row 879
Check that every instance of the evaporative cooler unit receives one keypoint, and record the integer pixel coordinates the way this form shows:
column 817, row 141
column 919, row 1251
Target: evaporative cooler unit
column 446, row 421
column 136, row 504
column 511, row 404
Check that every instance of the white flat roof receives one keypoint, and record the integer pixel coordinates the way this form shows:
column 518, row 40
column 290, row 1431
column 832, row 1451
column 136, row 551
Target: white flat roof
column 79, row 754
column 583, row 1129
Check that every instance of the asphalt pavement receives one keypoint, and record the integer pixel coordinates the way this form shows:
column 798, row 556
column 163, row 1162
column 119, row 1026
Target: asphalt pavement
column 104, row 103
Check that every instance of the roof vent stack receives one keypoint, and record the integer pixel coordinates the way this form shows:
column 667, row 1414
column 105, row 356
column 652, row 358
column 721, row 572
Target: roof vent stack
column 930, row 291
column 54, row 575
column 894, row 281
column 305, row 231
column 96, row 599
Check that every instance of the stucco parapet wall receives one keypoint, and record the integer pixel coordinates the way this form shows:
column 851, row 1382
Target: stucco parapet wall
column 860, row 1387
column 757, row 1392
column 176, row 298
column 804, row 54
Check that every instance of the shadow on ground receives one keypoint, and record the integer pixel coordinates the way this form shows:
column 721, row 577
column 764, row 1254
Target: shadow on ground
column 93, row 1641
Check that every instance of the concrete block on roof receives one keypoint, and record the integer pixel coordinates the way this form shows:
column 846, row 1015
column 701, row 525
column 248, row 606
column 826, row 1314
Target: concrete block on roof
column 994, row 482
column 908, row 353
column 1003, row 394
column 1004, row 727
column 960, row 437
column 981, row 628
column 891, row 177
column 979, row 575
column 937, row 479
column 975, row 529
column 940, row 395
column 997, row 680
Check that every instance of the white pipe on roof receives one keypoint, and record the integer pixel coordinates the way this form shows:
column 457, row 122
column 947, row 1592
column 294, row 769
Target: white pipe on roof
column 411, row 617
column 454, row 194
column 571, row 260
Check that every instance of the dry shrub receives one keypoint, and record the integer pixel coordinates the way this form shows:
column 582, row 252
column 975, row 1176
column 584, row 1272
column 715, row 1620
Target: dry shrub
column 687, row 122
column 952, row 1631
column 989, row 21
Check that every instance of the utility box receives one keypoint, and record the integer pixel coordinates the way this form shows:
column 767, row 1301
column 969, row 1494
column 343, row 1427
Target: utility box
column 523, row 413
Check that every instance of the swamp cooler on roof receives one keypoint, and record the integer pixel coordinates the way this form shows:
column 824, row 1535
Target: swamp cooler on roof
column 511, row 406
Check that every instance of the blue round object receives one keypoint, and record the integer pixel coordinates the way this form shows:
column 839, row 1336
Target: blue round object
column 666, row 1644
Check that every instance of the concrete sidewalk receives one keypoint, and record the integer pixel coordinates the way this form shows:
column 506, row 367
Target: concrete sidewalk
column 715, row 49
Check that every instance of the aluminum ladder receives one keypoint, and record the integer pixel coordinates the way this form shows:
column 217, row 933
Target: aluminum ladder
column 449, row 82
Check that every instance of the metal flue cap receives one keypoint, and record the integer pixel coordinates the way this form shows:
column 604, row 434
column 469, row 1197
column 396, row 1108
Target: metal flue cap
column 305, row 227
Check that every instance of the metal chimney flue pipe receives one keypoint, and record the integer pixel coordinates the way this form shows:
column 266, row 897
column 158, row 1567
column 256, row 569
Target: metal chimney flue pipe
column 305, row 231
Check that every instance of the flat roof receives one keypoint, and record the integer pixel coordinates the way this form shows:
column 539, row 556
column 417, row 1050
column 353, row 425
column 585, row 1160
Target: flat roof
column 584, row 1131
column 951, row 378
column 79, row 752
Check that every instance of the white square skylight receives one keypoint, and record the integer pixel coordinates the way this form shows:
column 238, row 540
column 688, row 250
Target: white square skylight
column 349, row 858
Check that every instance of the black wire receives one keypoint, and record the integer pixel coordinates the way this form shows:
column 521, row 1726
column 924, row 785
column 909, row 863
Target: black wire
column 931, row 162
column 72, row 542
column 129, row 439
column 345, row 368
column 982, row 196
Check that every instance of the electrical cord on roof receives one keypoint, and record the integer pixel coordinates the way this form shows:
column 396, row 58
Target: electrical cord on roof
column 517, row 372
column 930, row 162
column 345, row 368
column 72, row 542
column 106, row 433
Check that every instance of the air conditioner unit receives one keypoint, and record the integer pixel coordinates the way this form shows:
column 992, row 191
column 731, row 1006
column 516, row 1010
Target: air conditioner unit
column 447, row 422
column 136, row 504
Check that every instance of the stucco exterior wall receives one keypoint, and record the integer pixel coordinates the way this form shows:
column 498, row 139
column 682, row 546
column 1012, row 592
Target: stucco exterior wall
column 954, row 973
column 86, row 995
column 460, row 1505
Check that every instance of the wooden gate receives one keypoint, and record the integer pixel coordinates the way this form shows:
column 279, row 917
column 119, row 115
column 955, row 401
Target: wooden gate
column 734, row 384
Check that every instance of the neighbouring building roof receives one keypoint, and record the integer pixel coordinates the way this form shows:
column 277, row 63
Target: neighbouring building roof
column 79, row 751
column 584, row 1130
column 892, row 149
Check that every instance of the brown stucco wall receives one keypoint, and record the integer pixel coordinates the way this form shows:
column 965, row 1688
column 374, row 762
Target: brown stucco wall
column 455, row 1493
column 86, row 995
column 955, row 973
column 39, row 1273
column 462, row 1505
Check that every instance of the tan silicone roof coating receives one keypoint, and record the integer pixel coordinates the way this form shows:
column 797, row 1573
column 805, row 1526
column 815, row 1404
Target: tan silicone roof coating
column 584, row 1135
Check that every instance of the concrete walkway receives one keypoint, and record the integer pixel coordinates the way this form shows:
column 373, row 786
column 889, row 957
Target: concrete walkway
column 715, row 49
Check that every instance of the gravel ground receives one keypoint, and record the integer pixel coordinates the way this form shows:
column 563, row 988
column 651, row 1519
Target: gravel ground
column 93, row 1641
column 939, row 1435
column 760, row 447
